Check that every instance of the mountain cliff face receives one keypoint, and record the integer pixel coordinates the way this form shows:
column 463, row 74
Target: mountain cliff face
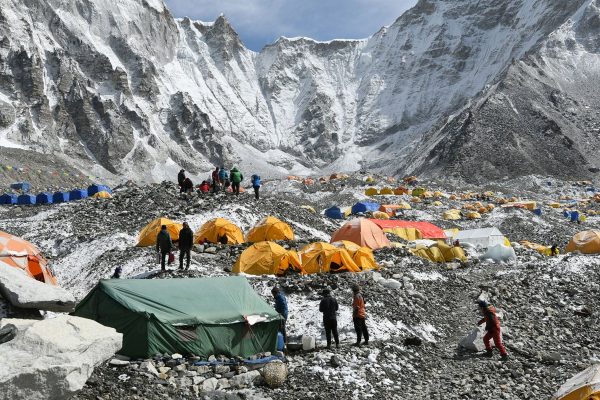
column 125, row 86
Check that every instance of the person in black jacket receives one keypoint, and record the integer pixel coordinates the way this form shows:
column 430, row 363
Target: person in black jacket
column 164, row 244
column 186, row 241
column 329, row 308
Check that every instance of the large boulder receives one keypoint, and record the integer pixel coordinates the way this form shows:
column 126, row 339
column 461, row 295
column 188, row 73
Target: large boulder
column 25, row 292
column 474, row 340
column 53, row 358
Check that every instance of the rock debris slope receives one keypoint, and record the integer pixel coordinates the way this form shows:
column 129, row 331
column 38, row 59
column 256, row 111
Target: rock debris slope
column 128, row 89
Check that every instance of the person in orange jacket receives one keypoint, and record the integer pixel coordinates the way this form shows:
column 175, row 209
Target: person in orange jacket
column 492, row 326
column 359, row 315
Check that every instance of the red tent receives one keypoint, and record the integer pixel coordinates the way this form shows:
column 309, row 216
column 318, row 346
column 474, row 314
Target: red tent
column 428, row 230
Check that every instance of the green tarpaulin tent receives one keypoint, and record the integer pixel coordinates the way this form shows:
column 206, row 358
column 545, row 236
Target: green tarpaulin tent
column 206, row 316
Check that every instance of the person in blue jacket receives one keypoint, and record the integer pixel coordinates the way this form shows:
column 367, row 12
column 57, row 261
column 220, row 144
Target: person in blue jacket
column 256, row 185
column 282, row 308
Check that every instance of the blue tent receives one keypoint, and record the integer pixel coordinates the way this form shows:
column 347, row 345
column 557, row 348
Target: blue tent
column 363, row 207
column 44, row 198
column 8, row 198
column 24, row 186
column 78, row 194
column 574, row 216
column 60, row 197
column 26, row 199
column 335, row 213
column 93, row 189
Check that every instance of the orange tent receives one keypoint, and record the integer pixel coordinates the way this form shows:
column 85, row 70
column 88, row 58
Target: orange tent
column 362, row 232
column 586, row 242
column 19, row 253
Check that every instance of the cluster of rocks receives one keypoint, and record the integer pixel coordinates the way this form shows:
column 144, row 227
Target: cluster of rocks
column 175, row 375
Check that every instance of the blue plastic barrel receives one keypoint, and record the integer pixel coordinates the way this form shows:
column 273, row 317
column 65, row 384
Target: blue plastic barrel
column 280, row 342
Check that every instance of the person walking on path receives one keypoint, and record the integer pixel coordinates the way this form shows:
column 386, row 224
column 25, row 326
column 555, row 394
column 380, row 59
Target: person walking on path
column 492, row 326
column 164, row 244
column 282, row 308
column 359, row 315
column 186, row 241
column 329, row 308
column 236, row 177
column 256, row 185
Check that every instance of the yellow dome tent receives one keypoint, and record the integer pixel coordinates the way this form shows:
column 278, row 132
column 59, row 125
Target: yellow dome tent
column 150, row 231
column 102, row 195
column 266, row 258
column 362, row 256
column 451, row 215
column 473, row 215
column 386, row 191
column 437, row 203
column 371, row 191
column 270, row 229
column 440, row 252
column 323, row 257
column 309, row 208
column 380, row 215
column 216, row 228
column 586, row 242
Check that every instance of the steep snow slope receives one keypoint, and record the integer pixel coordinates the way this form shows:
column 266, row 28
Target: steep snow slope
column 125, row 85
column 541, row 118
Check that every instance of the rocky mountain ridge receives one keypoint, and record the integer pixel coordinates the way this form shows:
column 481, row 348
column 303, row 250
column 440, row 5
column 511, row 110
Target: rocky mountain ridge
column 126, row 89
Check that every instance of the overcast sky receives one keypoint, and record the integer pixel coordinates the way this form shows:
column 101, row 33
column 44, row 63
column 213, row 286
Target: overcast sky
column 260, row 22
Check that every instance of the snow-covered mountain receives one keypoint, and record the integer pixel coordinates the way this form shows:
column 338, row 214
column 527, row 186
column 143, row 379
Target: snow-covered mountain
column 126, row 86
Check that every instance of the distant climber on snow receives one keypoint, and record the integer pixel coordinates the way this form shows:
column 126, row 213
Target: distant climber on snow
column 329, row 308
column 236, row 178
column 492, row 326
column 359, row 316
column 180, row 179
column 164, row 244
column 186, row 241
column 256, row 185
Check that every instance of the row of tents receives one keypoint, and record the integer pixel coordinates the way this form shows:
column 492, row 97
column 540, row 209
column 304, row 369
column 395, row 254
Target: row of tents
column 95, row 191
column 220, row 230
column 363, row 207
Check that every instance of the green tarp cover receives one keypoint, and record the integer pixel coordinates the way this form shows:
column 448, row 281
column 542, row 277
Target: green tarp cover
column 191, row 316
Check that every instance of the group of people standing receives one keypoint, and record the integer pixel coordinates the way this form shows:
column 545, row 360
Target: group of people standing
column 220, row 180
column 165, row 247
column 329, row 308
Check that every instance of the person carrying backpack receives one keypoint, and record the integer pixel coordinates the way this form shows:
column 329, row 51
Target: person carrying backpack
column 222, row 175
column 359, row 315
column 180, row 179
column 236, row 177
column 256, row 185
column 329, row 308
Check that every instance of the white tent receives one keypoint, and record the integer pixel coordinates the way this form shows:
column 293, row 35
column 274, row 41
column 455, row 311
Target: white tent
column 581, row 386
column 484, row 237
